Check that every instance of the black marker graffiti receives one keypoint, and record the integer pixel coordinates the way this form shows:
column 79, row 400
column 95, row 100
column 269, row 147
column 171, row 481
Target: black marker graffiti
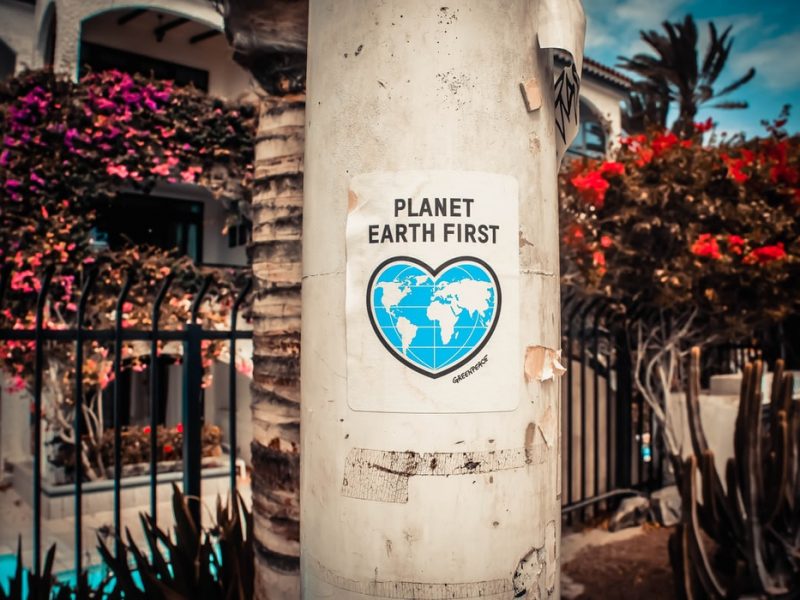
column 567, row 88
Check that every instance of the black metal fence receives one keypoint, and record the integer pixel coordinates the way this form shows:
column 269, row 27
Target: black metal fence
column 612, row 445
column 191, row 336
column 606, row 426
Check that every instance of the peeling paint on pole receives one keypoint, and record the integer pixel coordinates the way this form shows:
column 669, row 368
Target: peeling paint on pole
column 427, row 477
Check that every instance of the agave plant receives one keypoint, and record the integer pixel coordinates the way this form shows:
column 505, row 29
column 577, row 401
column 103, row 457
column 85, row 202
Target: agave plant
column 742, row 539
column 192, row 563
column 29, row 586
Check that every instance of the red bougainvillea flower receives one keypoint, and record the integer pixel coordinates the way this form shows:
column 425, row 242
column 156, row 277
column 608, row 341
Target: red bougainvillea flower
column 593, row 187
column 168, row 449
column 612, row 168
column 574, row 235
column 146, row 430
column 704, row 126
column 179, row 427
column 765, row 254
column 605, row 241
column 599, row 262
column 783, row 173
column 645, row 155
column 735, row 166
column 706, row 246
column 735, row 243
column 663, row 142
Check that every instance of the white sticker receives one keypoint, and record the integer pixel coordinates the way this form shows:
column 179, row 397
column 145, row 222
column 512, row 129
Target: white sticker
column 433, row 292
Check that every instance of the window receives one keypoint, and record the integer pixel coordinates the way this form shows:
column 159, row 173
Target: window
column 147, row 219
column 97, row 58
column 239, row 234
column 591, row 138
column 8, row 61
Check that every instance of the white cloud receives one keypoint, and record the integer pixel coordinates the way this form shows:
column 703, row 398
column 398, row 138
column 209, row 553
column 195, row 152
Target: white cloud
column 614, row 25
column 647, row 14
column 777, row 61
column 597, row 34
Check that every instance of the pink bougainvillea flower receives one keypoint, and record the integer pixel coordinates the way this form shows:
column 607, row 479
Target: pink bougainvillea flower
column 120, row 171
column 191, row 173
column 160, row 169
column 706, row 246
column 12, row 184
column 162, row 96
column 104, row 104
column 129, row 97
column 4, row 157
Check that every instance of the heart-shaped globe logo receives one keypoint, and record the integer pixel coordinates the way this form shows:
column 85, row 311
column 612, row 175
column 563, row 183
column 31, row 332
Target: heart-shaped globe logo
column 433, row 320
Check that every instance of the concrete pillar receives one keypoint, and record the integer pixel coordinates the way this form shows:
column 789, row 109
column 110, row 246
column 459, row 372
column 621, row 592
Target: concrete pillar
column 416, row 484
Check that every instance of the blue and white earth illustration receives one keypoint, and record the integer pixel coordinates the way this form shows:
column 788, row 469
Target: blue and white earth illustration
column 437, row 321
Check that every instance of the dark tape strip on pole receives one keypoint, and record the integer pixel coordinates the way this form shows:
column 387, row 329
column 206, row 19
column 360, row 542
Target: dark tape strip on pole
column 383, row 475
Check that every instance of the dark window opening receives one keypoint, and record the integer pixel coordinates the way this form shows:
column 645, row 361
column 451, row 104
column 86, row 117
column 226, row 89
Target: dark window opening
column 50, row 42
column 165, row 223
column 591, row 138
column 239, row 235
column 96, row 58
column 8, row 61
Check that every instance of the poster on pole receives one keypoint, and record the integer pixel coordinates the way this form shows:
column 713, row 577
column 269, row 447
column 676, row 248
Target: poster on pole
column 432, row 302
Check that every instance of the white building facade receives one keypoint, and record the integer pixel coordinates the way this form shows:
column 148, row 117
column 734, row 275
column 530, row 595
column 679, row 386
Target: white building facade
column 180, row 40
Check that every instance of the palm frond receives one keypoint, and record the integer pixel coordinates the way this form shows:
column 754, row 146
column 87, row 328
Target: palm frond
column 738, row 83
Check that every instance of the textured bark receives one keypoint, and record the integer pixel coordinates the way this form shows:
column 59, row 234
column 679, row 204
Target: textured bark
column 277, row 225
column 269, row 39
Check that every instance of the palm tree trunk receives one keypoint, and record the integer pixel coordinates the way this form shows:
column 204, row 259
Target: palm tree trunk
column 277, row 224
column 269, row 39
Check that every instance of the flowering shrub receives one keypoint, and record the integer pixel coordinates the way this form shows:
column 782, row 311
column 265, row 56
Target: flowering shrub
column 673, row 223
column 65, row 147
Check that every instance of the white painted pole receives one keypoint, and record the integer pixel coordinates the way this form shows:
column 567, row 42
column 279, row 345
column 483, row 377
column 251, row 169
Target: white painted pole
column 413, row 484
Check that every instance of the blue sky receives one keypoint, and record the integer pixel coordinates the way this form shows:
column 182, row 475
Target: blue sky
column 767, row 37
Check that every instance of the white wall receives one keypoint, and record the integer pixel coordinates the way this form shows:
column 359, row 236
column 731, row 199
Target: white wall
column 606, row 103
column 226, row 79
column 16, row 30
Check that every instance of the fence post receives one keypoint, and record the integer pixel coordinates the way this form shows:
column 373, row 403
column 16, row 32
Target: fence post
column 624, row 404
column 192, row 390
